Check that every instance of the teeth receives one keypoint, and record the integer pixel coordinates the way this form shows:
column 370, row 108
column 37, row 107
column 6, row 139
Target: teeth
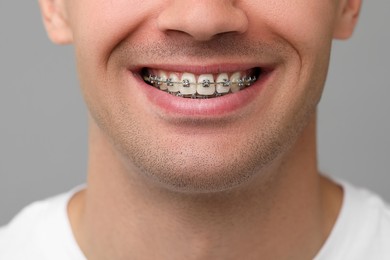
column 162, row 78
column 223, row 87
column 235, row 80
column 206, row 85
column 188, row 86
column 173, row 87
column 202, row 86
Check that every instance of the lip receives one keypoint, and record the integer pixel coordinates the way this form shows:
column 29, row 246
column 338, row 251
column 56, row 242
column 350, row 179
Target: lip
column 213, row 69
column 178, row 107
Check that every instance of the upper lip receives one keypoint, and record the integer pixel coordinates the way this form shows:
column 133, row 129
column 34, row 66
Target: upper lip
column 202, row 69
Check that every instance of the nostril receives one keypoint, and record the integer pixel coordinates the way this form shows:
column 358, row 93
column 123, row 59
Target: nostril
column 202, row 20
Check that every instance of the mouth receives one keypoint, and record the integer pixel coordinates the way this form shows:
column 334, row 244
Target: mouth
column 201, row 86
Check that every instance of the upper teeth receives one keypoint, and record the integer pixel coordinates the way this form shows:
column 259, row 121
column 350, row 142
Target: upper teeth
column 202, row 86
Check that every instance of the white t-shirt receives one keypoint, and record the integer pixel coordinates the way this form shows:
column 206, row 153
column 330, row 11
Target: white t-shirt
column 42, row 231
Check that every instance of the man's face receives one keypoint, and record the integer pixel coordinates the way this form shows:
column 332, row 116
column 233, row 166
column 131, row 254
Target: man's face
column 202, row 144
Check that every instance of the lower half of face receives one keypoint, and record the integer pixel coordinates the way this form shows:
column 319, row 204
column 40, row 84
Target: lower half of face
column 214, row 144
column 205, row 115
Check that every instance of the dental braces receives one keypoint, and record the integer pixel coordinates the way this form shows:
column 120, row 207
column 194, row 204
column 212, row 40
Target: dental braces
column 243, row 82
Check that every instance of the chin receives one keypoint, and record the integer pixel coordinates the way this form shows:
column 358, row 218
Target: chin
column 217, row 170
column 201, row 179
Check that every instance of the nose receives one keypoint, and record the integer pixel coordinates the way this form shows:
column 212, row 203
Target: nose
column 202, row 19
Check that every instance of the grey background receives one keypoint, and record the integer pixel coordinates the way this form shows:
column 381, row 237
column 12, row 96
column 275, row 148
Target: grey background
column 43, row 135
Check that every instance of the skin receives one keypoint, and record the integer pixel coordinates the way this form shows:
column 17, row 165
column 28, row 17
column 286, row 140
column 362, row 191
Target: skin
column 241, row 185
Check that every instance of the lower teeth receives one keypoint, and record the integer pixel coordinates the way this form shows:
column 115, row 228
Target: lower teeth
column 233, row 86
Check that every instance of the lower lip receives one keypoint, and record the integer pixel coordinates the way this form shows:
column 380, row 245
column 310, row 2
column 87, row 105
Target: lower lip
column 212, row 107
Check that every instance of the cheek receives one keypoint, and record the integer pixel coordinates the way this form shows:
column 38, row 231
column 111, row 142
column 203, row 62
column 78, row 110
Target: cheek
column 307, row 27
column 304, row 24
column 100, row 25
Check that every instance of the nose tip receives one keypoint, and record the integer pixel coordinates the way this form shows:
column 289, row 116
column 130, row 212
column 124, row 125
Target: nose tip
column 202, row 19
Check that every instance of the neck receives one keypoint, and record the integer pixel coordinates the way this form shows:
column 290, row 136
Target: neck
column 284, row 214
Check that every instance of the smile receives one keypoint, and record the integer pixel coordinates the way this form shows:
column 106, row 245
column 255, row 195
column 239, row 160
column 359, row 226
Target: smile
column 203, row 86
